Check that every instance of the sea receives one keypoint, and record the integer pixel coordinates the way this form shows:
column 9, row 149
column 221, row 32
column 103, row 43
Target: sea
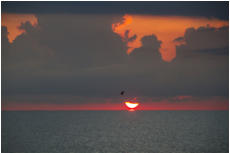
column 115, row 132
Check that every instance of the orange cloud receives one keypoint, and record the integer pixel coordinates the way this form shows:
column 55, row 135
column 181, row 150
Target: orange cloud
column 165, row 28
column 13, row 22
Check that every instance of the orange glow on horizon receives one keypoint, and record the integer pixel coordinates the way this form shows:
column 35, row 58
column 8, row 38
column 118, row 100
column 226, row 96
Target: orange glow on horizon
column 190, row 103
column 162, row 105
column 14, row 21
column 165, row 28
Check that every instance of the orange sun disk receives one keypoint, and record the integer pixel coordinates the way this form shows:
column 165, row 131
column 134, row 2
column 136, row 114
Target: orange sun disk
column 131, row 105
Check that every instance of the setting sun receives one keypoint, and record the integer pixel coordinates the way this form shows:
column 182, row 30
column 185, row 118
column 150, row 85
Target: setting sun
column 131, row 105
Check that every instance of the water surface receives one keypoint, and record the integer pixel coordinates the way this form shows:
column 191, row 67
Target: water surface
column 115, row 132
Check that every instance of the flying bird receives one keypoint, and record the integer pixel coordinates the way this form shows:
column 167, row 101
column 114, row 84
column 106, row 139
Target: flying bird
column 122, row 93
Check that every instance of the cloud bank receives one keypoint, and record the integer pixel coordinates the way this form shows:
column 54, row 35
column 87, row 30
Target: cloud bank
column 77, row 59
column 165, row 28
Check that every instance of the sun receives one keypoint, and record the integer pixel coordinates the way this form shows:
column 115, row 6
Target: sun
column 131, row 105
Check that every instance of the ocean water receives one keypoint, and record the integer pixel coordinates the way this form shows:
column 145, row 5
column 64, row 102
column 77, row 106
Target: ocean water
column 115, row 132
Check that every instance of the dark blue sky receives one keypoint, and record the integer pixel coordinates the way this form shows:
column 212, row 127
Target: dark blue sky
column 207, row 9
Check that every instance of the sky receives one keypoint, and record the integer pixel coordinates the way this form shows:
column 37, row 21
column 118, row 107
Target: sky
column 81, row 55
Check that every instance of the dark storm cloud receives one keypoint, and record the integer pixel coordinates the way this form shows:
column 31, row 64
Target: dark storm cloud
column 199, row 74
column 64, row 54
column 68, row 41
column 4, row 39
column 207, row 9
column 148, row 53
column 26, row 27
column 205, row 40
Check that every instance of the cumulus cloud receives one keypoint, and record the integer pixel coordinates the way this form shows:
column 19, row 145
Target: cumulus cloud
column 148, row 53
column 165, row 28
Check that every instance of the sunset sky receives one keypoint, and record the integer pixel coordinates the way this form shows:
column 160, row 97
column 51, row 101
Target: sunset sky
column 81, row 55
